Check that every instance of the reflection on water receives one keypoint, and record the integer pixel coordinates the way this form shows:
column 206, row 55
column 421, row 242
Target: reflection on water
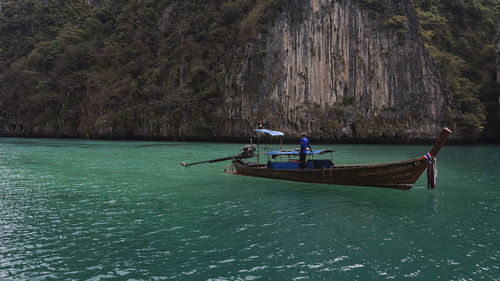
column 73, row 209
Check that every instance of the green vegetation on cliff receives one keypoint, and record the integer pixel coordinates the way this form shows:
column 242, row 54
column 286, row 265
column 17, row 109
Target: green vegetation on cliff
column 120, row 68
column 460, row 36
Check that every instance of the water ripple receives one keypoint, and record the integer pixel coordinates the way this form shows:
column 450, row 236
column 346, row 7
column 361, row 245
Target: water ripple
column 123, row 210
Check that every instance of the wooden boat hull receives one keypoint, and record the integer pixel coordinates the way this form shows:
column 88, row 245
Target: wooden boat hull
column 399, row 175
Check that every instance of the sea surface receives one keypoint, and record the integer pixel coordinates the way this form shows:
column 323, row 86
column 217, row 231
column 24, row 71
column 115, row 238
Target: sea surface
column 126, row 210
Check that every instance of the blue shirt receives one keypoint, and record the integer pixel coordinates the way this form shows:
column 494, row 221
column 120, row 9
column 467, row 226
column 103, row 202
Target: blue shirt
column 304, row 144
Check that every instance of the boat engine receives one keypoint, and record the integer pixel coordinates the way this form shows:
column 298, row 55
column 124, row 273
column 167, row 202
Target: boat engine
column 248, row 150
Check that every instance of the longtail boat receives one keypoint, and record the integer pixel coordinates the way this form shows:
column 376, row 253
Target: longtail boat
column 398, row 175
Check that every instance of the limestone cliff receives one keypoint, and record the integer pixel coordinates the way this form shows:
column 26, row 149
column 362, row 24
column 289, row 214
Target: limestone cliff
column 498, row 53
column 339, row 68
column 498, row 62
column 181, row 69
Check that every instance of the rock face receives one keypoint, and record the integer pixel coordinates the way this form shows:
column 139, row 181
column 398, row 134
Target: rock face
column 498, row 53
column 332, row 68
column 498, row 61
column 338, row 68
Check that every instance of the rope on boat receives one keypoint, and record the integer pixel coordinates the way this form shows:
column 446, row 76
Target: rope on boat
column 431, row 171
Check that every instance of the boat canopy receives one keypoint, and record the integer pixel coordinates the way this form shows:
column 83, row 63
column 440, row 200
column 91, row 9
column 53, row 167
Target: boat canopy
column 296, row 152
column 270, row 132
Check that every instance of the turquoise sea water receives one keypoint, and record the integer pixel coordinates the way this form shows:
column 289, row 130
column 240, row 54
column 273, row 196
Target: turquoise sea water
column 112, row 210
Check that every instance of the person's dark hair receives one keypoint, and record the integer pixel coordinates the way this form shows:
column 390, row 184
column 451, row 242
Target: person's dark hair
column 303, row 134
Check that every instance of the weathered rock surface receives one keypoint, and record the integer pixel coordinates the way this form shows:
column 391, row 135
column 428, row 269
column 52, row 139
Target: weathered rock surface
column 336, row 67
column 333, row 68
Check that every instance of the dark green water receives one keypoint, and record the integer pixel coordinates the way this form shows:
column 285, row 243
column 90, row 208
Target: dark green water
column 102, row 210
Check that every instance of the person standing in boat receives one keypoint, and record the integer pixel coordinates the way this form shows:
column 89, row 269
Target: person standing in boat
column 304, row 145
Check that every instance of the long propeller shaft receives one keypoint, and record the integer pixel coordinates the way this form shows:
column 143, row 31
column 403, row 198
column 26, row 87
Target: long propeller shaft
column 238, row 156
